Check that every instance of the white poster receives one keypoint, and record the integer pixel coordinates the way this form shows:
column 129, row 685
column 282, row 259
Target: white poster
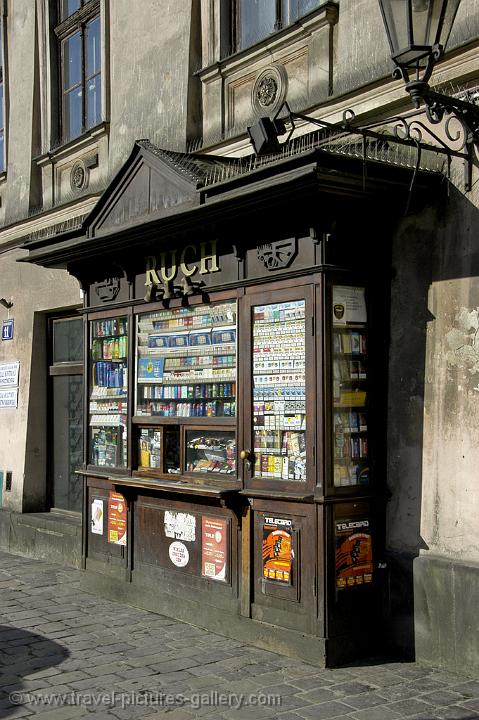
column 180, row 526
column 8, row 398
column 9, row 373
column 349, row 305
column 97, row 517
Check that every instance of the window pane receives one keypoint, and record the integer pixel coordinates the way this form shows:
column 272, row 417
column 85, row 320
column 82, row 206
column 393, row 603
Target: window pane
column 68, row 340
column 2, row 151
column 93, row 59
column 210, row 451
column 72, row 61
column 256, row 20
column 294, row 9
column 69, row 7
column 67, row 439
column 72, row 121
column 2, row 124
column 109, row 392
column 93, row 101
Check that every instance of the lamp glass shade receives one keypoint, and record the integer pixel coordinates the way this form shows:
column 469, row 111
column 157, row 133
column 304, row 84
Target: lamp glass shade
column 415, row 27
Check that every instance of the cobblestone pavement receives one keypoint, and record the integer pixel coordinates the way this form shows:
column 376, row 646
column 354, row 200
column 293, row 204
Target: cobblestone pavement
column 66, row 654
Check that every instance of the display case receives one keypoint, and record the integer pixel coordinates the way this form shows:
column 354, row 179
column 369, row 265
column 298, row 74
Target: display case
column 186, row 362
column 108, row 400
column 349, row 387
column 210, row 451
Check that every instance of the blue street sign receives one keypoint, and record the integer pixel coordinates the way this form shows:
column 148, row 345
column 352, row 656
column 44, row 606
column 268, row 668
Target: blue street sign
column 7, row 330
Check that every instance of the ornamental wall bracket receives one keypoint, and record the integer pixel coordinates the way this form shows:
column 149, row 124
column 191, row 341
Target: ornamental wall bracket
column 278, row 254
column 108, row 289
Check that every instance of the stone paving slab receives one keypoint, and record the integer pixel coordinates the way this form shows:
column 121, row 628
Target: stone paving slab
column 65, row 654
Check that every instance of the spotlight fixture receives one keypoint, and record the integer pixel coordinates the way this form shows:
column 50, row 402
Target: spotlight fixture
column 263, row 135
column 6, row 303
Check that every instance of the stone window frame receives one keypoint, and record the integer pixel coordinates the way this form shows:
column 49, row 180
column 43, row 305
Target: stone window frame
column 280, row 22
column 50, row 75
column 65, row 29
column 219, row 20
column 4, row 87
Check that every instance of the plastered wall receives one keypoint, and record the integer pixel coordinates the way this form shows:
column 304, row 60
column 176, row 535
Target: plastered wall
column 33, row 290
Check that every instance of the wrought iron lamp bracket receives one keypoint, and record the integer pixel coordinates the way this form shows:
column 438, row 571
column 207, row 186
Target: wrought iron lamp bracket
column 437, row 107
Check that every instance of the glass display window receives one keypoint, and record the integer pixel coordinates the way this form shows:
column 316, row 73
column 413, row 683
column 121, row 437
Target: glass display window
column 158, row 449
column 186, row 361
column 108, row 402
column 349, row 387
column 210, row 451
column 279, row 391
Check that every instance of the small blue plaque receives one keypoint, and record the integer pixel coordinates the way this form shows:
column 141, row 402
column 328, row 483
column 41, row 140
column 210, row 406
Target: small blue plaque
column 7, row 330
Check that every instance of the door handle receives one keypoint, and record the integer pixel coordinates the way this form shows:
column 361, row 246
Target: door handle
column 247, row 456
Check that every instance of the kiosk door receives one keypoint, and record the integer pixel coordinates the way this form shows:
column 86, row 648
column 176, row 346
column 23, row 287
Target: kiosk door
column 279, row 454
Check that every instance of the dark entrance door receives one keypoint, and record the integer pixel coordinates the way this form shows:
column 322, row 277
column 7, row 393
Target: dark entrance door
column 66, row 404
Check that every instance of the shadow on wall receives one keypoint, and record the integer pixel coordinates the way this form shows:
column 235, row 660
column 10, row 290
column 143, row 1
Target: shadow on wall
column 432, row 246
column 23, row 655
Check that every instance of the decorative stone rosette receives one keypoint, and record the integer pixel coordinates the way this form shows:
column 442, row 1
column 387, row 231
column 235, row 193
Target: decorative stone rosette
column 269, row 90
column 78, row 176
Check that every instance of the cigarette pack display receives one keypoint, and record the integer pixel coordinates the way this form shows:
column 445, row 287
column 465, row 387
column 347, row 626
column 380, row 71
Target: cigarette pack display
column 219, row 337
column 158, row 341
column 198, row 361
column 279, row 390
column 199, row 339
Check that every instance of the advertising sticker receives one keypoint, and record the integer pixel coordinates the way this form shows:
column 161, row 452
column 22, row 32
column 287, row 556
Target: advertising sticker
column 354, row 554
column 180, row 526
column 116, row 519
column 179, row 554
column 277, row 549
column 213, row 547
column 97, row 517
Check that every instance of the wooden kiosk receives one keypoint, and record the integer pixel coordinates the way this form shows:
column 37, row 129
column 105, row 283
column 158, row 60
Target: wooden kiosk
column 235, row 394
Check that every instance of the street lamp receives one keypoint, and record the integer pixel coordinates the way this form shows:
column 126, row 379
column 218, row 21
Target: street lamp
column 418, row 31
